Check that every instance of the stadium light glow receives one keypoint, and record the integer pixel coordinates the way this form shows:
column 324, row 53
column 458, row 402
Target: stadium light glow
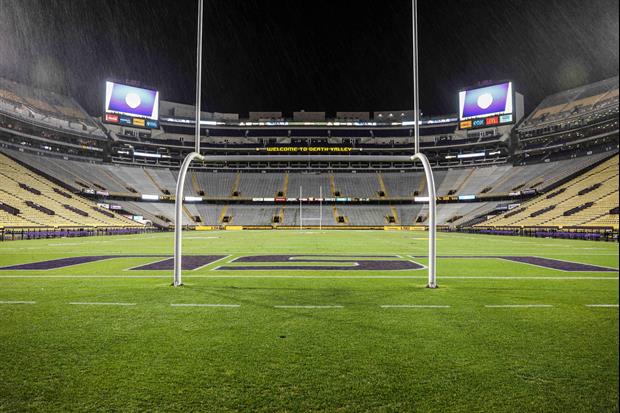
column 193, row 199
column 147, row 155
column 471, row 155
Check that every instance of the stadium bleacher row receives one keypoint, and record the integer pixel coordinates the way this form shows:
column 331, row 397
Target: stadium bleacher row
column 30, row 200
column 47, row 108
column 496, row 179
column 591, row 200
column 290, row 215
column 121, row 179
column 574, row 103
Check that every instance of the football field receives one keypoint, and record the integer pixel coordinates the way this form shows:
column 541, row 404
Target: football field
column 298, row 321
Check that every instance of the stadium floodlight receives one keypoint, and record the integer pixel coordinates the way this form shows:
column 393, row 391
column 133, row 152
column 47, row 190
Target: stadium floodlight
column 428, row 171
column 178, row 202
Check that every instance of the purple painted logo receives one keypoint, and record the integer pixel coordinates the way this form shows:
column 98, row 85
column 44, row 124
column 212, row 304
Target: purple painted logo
column 486, row 101
column 298, row 262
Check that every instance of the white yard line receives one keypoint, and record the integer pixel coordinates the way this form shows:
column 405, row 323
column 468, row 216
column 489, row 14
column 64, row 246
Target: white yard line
column 18, row 302
column 520, row 306
column 331, row 277
column 213, row 262
column 206, row 305
column 575, row 262
column 414, row 306
column 98, row 303
column 410, row 258
column 157, row 260
column 602, row 305
column 86, row 276
column 309, row 306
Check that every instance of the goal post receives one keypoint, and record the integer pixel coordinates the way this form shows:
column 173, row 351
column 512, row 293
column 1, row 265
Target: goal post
column 428, row 171
column 178, row 216
column 432, row 222
column 178, row 201
column 432, row 254
column 301, row 210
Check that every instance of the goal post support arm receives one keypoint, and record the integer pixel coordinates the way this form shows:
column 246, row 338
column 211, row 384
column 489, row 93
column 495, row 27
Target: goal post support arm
column 432, row 223
column 178, row 216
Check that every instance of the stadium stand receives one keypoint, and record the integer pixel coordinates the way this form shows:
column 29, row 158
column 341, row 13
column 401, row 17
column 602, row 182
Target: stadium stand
column 458, row 181
column 54, row 151
column 47, row 108
column 587, row 200
column 33, row 201
column 575, row 102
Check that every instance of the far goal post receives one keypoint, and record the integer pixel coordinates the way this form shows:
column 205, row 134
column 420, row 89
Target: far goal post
column 301, row 210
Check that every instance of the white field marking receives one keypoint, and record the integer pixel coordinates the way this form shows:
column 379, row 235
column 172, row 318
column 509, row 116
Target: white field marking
column 520, row 306
column 320, row 307
column 414, row 306
column 85, row 242
column 148, row 263
column 556, row 269
column 18, row 302
column 603, row 305
column 64, row 266
column 106, row 241
column 465, row 253
column 207, row 305
column 582, row 263
column 312, row 266
column 96, row 303
column 213, row 262
column 504, row 257
column 411, row 259
column 329, row 277
column 64, row 244
column 506, row 239
column 60, row 244
column 468, row 253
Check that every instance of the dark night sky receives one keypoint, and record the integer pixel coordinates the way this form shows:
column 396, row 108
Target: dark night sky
column 314, row 55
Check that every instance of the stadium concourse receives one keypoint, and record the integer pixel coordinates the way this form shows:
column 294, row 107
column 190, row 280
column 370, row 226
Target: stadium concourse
column 554, row 173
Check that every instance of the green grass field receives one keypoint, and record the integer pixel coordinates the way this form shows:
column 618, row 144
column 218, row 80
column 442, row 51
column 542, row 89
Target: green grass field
column 497, row 336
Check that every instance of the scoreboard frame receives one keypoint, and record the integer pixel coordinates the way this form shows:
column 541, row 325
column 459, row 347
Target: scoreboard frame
column 126, row 119
column 492, row 120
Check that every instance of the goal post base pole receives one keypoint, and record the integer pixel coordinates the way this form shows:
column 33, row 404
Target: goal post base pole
column 178, row 217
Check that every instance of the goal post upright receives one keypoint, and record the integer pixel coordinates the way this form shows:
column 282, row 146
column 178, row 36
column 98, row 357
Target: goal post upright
column 321, row 208
column 432, row 223
column 178, row 202
column 428, row 171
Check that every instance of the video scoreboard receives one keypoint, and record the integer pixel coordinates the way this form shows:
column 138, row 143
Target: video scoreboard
column 487, row 106
column 131, row 106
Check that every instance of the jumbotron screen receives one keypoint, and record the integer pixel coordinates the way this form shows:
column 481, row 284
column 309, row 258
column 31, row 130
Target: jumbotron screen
column 486, row 106
column 131, row 106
